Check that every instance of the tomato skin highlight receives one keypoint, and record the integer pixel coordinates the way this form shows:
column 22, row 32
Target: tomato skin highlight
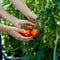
column 30, row 27
column 35, row 33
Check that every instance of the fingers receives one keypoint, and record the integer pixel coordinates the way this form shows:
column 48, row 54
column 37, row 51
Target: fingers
column 22, row 38
column 18, row 36
column 18, row 25
column 15, row 34
column 29, row 39
column 31, row 19
column 32, row 15
column 26, row 39
column 27, row 22
column 19, row 30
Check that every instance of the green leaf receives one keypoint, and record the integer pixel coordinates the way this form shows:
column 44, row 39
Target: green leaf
column 27, row 57
column 40, row 54
column 57, row 56
column 57, row 4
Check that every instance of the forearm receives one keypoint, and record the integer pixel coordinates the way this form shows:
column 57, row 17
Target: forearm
column 22, row 7
column 3, row 28
column 20, row 4
column 5, row 15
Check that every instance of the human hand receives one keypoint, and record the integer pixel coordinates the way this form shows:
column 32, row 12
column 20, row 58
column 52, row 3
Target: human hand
column 13, row 31
column 33, row 17
column 20, row 23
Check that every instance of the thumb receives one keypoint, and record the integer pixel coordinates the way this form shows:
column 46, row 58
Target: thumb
column 30, row 23
column 17, row 25
column 32, row 15
column 20, row 30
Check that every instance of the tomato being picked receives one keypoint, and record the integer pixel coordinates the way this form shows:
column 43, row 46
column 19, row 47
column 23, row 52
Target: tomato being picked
column 30, row 31
column 35, row 33
column 27, row 34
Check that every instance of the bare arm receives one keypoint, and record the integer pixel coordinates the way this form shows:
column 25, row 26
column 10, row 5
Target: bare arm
column 5, row 15
column 20, row 4
column 13, row 31
column 16, row 22
column 3, row 28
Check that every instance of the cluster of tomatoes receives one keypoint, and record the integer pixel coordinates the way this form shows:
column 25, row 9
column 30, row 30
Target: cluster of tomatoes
column 30, row 31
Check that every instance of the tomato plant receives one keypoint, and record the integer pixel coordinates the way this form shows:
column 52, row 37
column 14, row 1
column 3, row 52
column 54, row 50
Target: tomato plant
column 47, row 45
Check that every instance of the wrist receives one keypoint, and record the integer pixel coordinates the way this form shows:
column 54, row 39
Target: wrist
column 6, row 16
column 8, row 29
column 3, row 28
column 13, row 20
column 32, row 15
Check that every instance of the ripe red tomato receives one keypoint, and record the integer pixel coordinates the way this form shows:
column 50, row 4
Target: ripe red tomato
column 35, row 32
column 22, row 34
column 27, row 34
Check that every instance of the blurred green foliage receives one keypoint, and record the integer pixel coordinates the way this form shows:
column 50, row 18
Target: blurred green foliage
column 42, row 47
